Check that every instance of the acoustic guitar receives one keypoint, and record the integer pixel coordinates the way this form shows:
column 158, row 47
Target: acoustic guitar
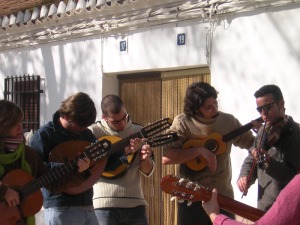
column 70, row 149
column 122, row 168
column 215, row 143
column 31, row 199
column 193, row 192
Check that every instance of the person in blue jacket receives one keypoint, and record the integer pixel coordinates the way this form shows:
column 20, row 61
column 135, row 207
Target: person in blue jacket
column 69, row 123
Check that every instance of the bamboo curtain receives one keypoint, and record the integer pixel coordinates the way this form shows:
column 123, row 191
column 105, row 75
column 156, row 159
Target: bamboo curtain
column 150, row 97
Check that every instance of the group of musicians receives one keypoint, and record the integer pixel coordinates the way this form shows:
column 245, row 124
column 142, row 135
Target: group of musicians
column 201, row 152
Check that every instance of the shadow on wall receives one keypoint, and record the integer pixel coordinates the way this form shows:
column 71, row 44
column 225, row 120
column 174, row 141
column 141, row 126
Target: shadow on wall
column 39, row 217
column 28, row 136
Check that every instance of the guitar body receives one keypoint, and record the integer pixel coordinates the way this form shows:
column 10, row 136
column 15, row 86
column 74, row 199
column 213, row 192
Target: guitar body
column 119, row 167
column 212, row 142
column 69, row 150
column 29, row 206
column 122, row 168
column 30, row 188
column 215, row 143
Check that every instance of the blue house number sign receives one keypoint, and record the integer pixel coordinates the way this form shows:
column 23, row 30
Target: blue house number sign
column 123, row 46
column 181, row 39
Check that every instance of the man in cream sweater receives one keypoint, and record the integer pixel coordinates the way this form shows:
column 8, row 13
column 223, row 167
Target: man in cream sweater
column 118, row 195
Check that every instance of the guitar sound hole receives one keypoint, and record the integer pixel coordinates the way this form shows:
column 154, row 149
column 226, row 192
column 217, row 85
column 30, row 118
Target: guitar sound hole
column 198, row 160
column 211, row 145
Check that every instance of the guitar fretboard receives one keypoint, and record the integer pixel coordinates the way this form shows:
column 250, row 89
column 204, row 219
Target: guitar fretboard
column 145, row 132
column 92, row 152
column 121, row 144
column 233, row 134
column 47, row 179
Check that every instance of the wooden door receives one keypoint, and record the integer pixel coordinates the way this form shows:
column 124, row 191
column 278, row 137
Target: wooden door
column 141, row 94
column 149, row 97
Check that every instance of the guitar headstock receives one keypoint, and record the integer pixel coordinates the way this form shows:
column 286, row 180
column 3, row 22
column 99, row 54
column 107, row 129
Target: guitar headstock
column 156, row 127
column 184, row 189
column 162, row 139
column 190, row 191
column 98, row 149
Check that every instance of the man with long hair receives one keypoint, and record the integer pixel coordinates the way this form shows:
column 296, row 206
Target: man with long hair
column 202, row 120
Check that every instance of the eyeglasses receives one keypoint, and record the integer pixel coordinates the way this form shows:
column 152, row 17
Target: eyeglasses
column 115, row 122
column 266, row 107
column 212, row 106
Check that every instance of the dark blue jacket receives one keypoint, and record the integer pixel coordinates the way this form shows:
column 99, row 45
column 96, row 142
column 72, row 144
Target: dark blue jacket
column 43, row 141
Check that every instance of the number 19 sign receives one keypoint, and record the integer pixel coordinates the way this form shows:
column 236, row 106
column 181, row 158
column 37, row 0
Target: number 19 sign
column 123, row 46
column 181, row 39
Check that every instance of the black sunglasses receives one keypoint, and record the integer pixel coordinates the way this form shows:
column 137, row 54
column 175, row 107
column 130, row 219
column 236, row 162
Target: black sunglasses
column 266, row 107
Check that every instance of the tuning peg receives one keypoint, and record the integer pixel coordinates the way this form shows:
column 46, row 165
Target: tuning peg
column 173, row 198
column 197, row 187
column 180, row 200
column 181, row 180
column 189, row 184
column 189, row 203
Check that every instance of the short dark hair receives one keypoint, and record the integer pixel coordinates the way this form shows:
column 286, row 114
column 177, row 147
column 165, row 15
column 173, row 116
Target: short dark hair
column 10, row 115
column 111, row 104
column 195, row 96
column 269, row 89
column 80, row 108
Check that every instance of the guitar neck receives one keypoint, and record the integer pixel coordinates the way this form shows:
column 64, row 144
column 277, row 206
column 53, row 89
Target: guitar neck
column 49, row 178
column 146, row 132
column 233, row 134
column 92, row 152
column 121, row 144
column 239, row 208
column 192, row 191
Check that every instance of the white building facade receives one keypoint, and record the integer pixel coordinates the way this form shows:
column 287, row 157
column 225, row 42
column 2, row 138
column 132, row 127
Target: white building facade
column 243, row 50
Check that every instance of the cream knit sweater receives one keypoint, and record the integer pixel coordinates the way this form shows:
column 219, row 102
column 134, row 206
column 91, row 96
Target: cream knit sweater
column 125, row 191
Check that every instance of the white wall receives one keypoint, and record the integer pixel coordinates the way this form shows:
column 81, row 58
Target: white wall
column 66, row 68
column 156, row 48
column 251, row 51
column 248, row 51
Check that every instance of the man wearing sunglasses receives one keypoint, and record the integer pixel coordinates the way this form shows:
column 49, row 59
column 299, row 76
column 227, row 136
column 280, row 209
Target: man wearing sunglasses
column 119, row 199
column 276, row 150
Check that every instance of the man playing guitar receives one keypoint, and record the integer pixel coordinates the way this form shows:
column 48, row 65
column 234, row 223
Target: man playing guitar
column 69, row 124
column 200, row 119
column 120, row 198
